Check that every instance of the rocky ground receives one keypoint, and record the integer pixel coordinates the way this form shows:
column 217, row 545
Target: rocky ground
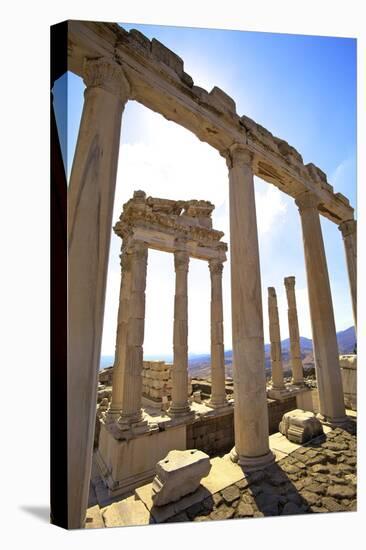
column 317, row 478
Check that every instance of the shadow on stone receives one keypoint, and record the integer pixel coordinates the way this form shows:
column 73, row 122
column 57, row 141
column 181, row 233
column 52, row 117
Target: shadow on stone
column 271, row 493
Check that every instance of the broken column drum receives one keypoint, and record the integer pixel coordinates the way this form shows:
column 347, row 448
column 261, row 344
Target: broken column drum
column 275, row 339
column 293, row 326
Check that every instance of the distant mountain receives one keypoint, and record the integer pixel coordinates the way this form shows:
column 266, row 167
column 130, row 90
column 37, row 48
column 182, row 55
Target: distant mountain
column 200, row 364
column 305, row 344
column 346, row 340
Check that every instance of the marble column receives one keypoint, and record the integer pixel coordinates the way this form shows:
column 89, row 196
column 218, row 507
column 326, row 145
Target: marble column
column 131, row 384
column 179, row 404
column 218, row 393
column 293, row 326
column 349, row 234
column 250, row 409
column 328, row 374
column 90, row 208
column 275, row 339
column 119, row 366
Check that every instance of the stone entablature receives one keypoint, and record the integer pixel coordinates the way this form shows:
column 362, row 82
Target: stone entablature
column 162, row 224
column 158, row 81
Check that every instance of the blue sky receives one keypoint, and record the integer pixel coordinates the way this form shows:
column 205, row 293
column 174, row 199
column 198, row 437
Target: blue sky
column 302, row 89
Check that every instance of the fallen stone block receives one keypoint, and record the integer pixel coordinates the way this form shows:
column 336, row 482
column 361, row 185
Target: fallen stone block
column 300, row 426
column 179, row 474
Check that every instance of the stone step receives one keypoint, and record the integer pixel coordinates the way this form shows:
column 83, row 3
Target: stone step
column 94, row 518
column 130, row 511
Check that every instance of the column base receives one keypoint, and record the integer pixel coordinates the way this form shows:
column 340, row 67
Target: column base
column 278, row 393
column 217, row 404
column 129, row 426
column 223, row 405
column 252, row 463
column 327, row 421
column 111, row 415
column 180, row 411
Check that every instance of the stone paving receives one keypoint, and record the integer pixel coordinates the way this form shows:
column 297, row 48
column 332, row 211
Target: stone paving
column 316, row 478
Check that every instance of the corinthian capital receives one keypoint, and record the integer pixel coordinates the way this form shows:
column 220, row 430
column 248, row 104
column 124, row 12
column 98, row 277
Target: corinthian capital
column 107, row 74
column 307, row 200
column 125, row 260
column 215, row 267
column 348, row 227
column 238, row 155
column 289, row 282
column 181, row 260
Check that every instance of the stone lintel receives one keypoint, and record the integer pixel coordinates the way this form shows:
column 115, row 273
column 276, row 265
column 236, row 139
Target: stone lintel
column 214, row 122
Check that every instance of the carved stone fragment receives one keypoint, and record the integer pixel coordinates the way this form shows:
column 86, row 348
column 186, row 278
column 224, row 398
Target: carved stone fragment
column 179, row 474
column 300, row 426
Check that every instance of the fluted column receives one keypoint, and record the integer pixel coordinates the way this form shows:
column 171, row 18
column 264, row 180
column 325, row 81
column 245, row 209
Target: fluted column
column 218, row 393
column 250, row 411
column 90, row 207
column 328, row 374
column 293, row 327
column 131, row 386
column 275, row 339
column 349, row 234
column 179, row 404
column 115, row 408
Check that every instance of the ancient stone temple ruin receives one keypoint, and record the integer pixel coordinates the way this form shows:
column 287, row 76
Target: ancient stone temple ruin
column 184, row 229
column 118, row 66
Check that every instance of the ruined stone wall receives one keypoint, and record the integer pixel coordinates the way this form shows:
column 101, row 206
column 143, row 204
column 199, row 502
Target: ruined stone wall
column 212, row 435
column 348, row 364
column 215, row 435
column 156, row 380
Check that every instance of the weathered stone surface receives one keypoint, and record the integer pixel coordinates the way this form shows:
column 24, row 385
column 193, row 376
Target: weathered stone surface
column 317, row 488
column 320, row 469
column 168, row 57
column 311, row 498
column 230, row 494
column 244, row 510
column 179, row 474
column 242, row 484
column 201, row 518
column 341, row 491
column 223, row 512
column 300, row 426
column 223, row 101
column 331, row 504
column 290, row 468
column 217, row 499
column 94, row 518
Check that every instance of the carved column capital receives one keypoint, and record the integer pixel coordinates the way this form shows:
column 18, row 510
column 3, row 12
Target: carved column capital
column 348, row 227
column 272, row 292
column 125, row 260
column 181, row 260
column 139, row 250
column 107, row 74
column 307, row 200
column 215, row 266
column 289, row 283
column 238, row 155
